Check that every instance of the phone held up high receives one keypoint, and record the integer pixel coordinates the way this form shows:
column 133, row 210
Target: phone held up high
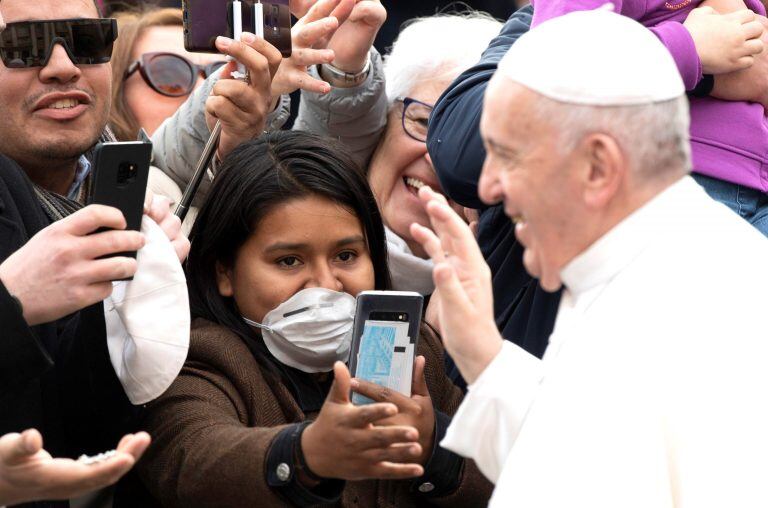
column 385, row 335
column 121, row 171
column 204, row 20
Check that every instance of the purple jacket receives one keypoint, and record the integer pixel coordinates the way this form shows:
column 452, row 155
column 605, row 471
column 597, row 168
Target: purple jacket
column 729, row 140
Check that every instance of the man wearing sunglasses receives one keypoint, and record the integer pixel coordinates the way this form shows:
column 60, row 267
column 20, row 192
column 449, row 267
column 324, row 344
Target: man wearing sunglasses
column 55, row 98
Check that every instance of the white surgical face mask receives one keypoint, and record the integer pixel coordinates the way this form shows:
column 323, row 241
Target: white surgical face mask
column 310, row 331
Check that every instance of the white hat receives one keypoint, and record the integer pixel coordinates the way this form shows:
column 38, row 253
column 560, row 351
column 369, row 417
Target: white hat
column 148, row 320
column 595, row 58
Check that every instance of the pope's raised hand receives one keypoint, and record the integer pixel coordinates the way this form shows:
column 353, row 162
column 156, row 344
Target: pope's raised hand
column 464, row 281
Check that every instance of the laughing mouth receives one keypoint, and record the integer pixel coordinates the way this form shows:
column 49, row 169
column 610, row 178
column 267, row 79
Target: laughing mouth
column 413, row 184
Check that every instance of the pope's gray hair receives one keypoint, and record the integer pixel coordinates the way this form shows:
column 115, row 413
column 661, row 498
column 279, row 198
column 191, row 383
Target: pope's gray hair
column 654, row 137
column 433, row 47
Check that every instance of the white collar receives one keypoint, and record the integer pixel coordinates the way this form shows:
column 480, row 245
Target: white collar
column 616, row 249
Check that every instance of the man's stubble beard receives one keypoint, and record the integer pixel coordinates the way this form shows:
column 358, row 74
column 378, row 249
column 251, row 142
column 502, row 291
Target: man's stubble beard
column 58, row 150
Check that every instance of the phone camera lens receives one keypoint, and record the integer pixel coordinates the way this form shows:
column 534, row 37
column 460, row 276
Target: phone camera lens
column 127, row 173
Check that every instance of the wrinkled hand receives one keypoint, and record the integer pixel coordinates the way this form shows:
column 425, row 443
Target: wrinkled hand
column 242, row 108
column 353, row 40
column 58, row 271
column 158, row 208
column 727, row 42
column 343, row 442
column 415, row 411
column 464, row 281
column 750, row 84
column 29, row 473
column 309, row 35
column 359, row 23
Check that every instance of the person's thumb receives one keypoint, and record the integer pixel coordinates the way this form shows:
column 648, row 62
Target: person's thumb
column 342, row 384
column 419, row 386
column 15, row 448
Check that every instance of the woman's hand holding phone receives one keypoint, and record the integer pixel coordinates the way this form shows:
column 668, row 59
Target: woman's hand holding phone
column 241, row 107
column 415, row 411
column 344, row 443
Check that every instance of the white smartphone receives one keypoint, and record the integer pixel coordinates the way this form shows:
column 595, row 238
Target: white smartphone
column 385, row 334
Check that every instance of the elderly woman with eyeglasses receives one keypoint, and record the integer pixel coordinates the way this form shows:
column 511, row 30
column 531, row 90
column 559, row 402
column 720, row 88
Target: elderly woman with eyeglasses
column 381, row 109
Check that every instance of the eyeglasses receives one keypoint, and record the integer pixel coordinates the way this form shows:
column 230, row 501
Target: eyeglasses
column 30, row 43
column 170, row 74
column 415, row 118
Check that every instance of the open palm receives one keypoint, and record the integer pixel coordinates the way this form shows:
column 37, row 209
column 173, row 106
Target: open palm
column 28, row 472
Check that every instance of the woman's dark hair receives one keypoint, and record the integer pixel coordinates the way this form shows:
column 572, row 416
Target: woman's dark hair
column 257, row 176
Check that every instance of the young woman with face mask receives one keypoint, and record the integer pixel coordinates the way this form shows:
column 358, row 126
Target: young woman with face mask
column 261, row 413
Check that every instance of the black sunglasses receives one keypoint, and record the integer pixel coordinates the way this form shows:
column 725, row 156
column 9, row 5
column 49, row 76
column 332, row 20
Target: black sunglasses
column 30, row 43
column 170, row 74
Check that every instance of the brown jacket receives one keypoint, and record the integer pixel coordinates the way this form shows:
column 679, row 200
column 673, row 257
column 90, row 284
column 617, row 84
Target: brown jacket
column 213, row 428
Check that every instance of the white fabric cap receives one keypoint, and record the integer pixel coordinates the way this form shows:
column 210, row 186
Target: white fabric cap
column 595, row 58
column 148, row 320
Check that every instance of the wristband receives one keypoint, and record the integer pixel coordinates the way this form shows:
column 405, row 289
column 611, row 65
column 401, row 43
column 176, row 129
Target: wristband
column 704, row 87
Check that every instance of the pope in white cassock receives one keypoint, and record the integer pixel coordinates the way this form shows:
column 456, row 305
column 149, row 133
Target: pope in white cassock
column 653, row 391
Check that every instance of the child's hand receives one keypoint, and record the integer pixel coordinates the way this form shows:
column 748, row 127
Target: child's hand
column 725, row 6
column 725, row 43
column 749, row 84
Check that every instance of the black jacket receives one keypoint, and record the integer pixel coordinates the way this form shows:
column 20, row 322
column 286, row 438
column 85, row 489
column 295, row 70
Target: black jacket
column 525, row 313
column 55, row 377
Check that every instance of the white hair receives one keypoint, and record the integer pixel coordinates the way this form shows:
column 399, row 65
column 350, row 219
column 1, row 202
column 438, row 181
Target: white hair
column 434, row 47
column 654, row 137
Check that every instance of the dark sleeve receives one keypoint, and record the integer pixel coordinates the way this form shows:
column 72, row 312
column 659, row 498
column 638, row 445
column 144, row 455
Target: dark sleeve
column 22, row 355
column 95, row 408
column 281, row 472
column 442, row 473
column 454, row 141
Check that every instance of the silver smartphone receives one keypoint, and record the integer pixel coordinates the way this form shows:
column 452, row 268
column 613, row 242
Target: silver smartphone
column 385, row 335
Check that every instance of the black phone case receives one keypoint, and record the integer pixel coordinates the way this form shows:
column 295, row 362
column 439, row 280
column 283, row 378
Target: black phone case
column 369, row 302
column 277, row 25
column 116, row 184
column 202, row 24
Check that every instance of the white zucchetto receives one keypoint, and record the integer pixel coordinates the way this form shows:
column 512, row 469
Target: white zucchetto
column 597, row 58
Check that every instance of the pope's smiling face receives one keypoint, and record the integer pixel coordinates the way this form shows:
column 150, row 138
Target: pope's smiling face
column 537, row 182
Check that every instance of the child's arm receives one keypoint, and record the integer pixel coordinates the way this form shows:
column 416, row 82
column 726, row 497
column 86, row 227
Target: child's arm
column 706, row 43
column 548, row 9
column 750, row 84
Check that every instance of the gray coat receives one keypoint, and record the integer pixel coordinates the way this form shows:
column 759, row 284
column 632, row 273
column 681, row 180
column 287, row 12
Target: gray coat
column 355, row 116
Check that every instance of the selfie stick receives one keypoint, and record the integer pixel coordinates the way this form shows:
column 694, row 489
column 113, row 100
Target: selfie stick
column 213, row 140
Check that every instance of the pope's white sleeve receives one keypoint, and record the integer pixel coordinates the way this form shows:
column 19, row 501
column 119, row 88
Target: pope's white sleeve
column 148, row 320
column 489, row 419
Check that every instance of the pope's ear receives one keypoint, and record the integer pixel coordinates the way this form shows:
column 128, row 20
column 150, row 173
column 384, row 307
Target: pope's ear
column 607, row 169
column 224, row 280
